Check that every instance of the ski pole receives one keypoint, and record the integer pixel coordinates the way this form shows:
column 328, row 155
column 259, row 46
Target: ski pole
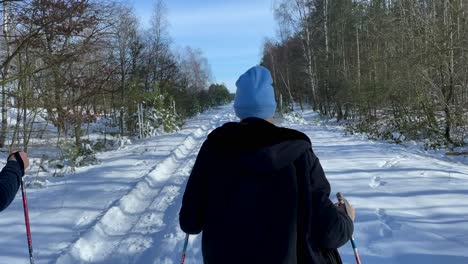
column 341, row 199
column 26, row 219
column 182, row 261
column 25, row 206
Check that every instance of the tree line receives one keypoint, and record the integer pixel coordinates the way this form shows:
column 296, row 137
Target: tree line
column 78, row 59
column 382, row 65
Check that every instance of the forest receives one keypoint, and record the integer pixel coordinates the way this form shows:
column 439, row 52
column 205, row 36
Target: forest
column 71, row 62
column 392, row 69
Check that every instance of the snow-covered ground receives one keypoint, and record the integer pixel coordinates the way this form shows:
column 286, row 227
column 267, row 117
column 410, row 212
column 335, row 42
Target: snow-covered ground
column 411, row 208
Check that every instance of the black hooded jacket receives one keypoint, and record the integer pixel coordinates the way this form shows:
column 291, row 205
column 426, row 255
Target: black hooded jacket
column 9, row 183
column 259, row 194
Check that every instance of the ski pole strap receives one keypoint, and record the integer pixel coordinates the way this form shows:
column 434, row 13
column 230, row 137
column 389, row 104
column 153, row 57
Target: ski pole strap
column 19, row 160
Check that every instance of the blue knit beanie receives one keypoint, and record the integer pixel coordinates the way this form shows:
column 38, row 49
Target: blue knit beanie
column 255, row 96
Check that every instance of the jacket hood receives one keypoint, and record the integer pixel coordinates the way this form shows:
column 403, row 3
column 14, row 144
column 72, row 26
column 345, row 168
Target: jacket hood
column 258, row 145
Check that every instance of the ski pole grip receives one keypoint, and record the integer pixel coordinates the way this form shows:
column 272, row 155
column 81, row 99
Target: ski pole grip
column 340, row 196
column 341, row 199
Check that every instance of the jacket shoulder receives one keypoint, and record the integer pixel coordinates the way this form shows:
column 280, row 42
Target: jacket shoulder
column 292, row 134
column 222, row 130
column 253, row 134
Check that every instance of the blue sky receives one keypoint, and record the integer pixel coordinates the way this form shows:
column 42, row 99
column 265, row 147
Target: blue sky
column 229, row 32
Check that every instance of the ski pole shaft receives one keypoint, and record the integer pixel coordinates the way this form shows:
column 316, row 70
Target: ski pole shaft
column 182, row 261
column 26, row 219
column 341, row 199
column 355, row 250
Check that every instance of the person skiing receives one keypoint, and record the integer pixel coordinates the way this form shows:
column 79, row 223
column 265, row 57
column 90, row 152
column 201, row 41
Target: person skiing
column 10, row 178
column 258, row 192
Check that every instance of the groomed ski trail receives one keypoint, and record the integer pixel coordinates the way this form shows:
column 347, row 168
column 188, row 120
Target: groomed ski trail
column 132, row 227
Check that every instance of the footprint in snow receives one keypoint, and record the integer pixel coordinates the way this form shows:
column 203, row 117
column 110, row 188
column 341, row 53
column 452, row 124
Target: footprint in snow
column 376, row 182
column 387, row 223
column 390, row 163
column 385, row 231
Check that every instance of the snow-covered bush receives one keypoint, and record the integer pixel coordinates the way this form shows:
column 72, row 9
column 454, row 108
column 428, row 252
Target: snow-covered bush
column 59, row 166
column 196, row 106
column 159, row 115
column 78, row 157
column 403, row 128
column 121, row 142
column 294, row 118
column 103, row 145
column 398, row 137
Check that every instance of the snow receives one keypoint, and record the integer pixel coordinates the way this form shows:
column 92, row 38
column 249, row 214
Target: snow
column 409, row 204
column 397, row 136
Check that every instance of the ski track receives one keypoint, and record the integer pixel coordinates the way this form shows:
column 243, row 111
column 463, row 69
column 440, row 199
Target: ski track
column 121, row 234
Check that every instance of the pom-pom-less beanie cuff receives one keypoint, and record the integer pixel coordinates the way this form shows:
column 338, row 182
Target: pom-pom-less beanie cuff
column 264, row 111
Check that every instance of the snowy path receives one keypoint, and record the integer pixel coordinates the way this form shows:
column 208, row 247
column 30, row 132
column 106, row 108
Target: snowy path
column 411, row 208
column 125, row 230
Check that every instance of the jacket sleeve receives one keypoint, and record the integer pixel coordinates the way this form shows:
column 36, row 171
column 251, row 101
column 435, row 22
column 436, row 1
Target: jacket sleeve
column 193, row 202
column 9, row 183
column 329, row 227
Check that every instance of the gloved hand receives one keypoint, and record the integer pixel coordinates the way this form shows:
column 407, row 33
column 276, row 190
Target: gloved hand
column 23, row 156
column 345, row 207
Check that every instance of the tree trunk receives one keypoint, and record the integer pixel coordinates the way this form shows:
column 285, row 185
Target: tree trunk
column 6, row 32
column 358, row 56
